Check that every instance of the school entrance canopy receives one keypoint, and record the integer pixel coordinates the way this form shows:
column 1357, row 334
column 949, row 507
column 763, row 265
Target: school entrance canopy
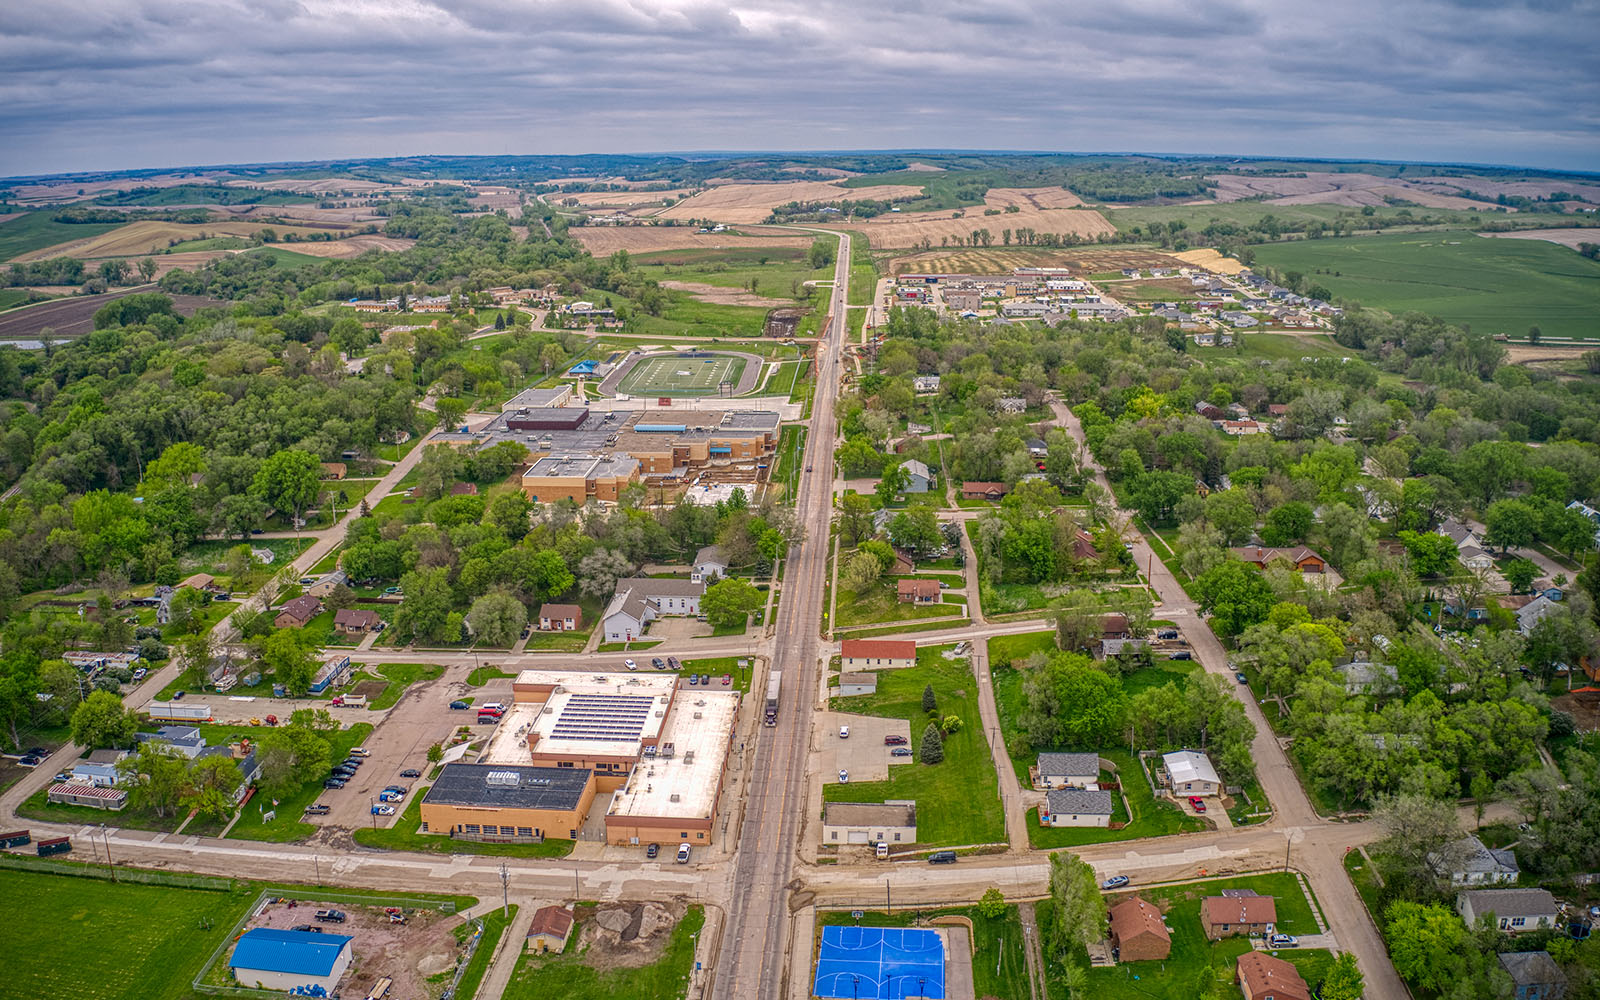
column 883, row 963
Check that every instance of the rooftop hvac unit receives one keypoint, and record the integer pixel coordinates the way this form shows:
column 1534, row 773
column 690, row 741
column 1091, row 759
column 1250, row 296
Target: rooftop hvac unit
column 507, row 779
column 688, row 756
column 548, row 710
column 674, row 797
column 660, row 713
column 698, row 714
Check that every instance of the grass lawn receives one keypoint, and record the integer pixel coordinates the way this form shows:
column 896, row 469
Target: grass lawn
column 93, row 940
column 1496, row 285
column 880, row 605
column 1192, row 953
column 958, row 801
column 567, row 975
column 1151, row 817
column 404, row 836
column 999, row 966
column 556, row 642
column 37, row 807
column 494, row 925
column 401, row 676
column 1007, row 649
column 788, row 459
column 637, row 645
column 287, row 826
column 483, row 675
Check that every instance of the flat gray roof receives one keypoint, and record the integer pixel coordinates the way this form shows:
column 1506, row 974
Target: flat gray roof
column 509, row 786
column 869, row 814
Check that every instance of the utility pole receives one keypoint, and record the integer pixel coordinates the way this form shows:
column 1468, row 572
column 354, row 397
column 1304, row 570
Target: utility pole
column 888, row 901
column 505, row 891
column 109, row 866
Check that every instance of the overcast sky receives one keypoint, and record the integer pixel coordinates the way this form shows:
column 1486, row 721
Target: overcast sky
column 108, row 84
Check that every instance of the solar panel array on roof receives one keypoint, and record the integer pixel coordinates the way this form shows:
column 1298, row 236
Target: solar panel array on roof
column 618, row 718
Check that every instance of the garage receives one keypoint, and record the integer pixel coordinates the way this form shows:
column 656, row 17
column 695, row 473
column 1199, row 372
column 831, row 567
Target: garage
column 858, row 836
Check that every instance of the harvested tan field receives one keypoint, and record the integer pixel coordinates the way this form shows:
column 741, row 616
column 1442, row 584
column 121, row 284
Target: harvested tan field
column 1525, row 189
column 1211, row 260
column 825, row 171
column 1519, row 353
column 318, row 185
column 754, row 202
column 603, row 240
column 925, row 168
column 332, row 218
column 1565, row 237
column 1352, row 190
column 717, row 295
column 8, row 216
column 491, row 199
column 70, row 190
column 354, row 246
column 1025, row 198
column 912, row 228
column 998, row 260
column 188, row 260
column 615, row 199
column 151, row 236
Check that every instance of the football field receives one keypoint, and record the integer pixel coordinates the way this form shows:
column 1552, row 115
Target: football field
column 681, row 375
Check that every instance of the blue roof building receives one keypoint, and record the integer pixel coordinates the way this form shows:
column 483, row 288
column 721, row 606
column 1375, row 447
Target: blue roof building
column 583, row 368
column 274, row 959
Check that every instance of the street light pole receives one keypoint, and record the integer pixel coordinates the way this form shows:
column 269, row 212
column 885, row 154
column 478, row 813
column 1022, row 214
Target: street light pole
column 505, row 891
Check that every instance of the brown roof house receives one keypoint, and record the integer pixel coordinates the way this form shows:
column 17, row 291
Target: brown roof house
column 1138, row 932
column 560, row 617
column 551, row 927
column 1263, row 977
column 983, row 491
column 1225, row 916
column 917, row 591
column 1300, row 557
column 298, row 612
column 355, row 621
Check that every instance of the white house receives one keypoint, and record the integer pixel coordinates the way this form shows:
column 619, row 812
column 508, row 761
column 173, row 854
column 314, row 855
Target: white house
column 1191, row 773
column 877, row 654
column 1475, row 558
column 918, row 478
column 709, row 562
column 1514, row 910
column 1468, row 863
column 869, row 822
column 275, row 959
column 925, row 383
column 1076, row 807
column 641, row 600
column 1068, row 770
column 185, row 740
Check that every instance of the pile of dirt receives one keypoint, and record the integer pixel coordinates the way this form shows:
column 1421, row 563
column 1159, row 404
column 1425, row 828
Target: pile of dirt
column 783, row 322
column 627, row 935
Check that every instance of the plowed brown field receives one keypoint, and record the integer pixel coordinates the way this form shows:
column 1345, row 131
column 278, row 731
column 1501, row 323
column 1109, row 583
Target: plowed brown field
column 754, row 202
column 604, row 240
column 151, row 236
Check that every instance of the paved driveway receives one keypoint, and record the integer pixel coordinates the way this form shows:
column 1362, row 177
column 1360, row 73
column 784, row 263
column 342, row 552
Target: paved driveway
column 864, row 754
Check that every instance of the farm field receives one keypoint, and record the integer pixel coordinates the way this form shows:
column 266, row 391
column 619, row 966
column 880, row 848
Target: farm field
column 1495, row 286
column 602, row 241
column 33, row 231
column 1346, row 189
column 74, row 316
column 754, row 202
column 911, row 228
column 149, row 941
column 151, row 236
column 354, row 246
column 1564, row 237
column 1197, row 216
column 1001, row 260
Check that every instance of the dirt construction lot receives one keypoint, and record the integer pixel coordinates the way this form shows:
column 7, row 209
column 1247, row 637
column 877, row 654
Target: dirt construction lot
column 409, row 953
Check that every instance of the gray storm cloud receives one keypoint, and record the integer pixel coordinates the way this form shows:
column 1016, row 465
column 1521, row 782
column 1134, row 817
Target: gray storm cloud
column 143, row 83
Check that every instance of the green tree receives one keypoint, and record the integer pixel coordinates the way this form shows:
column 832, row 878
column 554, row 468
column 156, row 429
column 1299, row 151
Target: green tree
column 1344, row 981
column 1520, row 573
column 992, row 904
column 448, row 411
column 1080, row 913
column 1155, row 495
column 728, row 603
column 292, row 659
column 426, row 611
column 1428, row 944
column 154, row 778
column 497, row 618
column 210, row 785
column 1287, row 523
column 930, row 703
column 1233, row 514
column 855, row 519
column 1069, row 702
column 932, row 745
column 291, row 756
column 892, row 483
column 1431, row 554
column 289, row 480
column 100, row 722
column 822, row 253
column 916, row 529
column 1510, row 524
column 1236, row 596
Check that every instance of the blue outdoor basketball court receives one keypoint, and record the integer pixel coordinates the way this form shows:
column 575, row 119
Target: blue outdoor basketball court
column 882, row 963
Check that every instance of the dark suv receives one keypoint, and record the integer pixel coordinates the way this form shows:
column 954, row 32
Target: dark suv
column 894, row 741
column 942, row 858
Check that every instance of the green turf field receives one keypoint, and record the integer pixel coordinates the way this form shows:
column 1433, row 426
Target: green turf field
column 94, row 940
column 1495, row 285
column 676, row 375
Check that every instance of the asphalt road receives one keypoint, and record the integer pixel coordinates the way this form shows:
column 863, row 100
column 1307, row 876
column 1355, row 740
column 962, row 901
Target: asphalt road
column 752, row 962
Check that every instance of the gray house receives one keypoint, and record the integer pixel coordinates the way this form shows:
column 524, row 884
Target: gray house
column 1068, row 770
column 1513, row 910
column 919, row 479
column 1534, row 974
column 641, row 600
column 709, row 562
column 1076, row 807
column 1466, row 862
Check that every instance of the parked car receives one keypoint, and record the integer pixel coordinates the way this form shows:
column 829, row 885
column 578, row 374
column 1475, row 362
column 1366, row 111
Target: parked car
column 317, row 809
column 894, row 740
column 360, row 752
column 694, row 679
column 652, row 850
column 31, row 761
column 672, row 663
column 727, row 680
column 390, row 797
column 1182, row 654
column 630, row 664
column 1197, row 803
column 411, row 772
column 1283, row 941
column 1241, row 678
column 844, row 732
column 177, row 696
column 1114, row 882
column 330, row 916
column 658, row 663
column 38, row 752
column 900, row 752
column 527, row 630
column 705, row 679
column 942, row 858
column 139, row 673
column 683, row 854
column 306, row 929
column 459, row 705
column 383, row 810
column 844, row 776
column 333, row 783
column 1167, row 633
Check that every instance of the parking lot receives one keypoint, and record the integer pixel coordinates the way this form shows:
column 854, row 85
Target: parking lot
column 864, row 755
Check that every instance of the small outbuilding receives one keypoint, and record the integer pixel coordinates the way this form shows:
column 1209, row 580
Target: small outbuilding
column 274, row 959
column 551, row 927
column 859, row 682
column 1534, row 975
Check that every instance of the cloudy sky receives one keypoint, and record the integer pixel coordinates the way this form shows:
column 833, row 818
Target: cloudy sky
column 105, row 84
